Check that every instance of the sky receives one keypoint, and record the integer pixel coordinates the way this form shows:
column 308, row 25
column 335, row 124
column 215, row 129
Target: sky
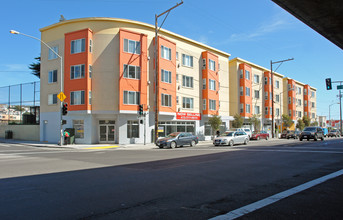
column 257, row 31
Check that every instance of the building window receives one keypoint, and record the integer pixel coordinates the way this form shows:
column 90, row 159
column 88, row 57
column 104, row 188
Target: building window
column 313, row 115
column 177, row 55
column 312, row 104
column 240, row 73
column 131, row 98
column 177, row 99
column 277, row 98
column 265, row 80
column 305, row 103
column 77, row 98
column 132, row 129
column 212, row 104
column 277, row 84
column 77, row 71
column 299, row 90
column 165, row 52
column 305, row 91
column 257, row 110
column 187, row 81
column 52, row 76
column 289, row 100
column 51, row 54
column 90, row 45
column 132, row 72
column 241, row 108
column 79, row 127
column 247, row 74
column 277, row 110
column 312, row 94
column 241, row 90
column 212, row 84
column 299, row 114
column 166, row 100
column 187, row 60
column 78, row 46
column 187, row 103
column 131, row 46
column 256, row 78
column 90, row 97
column 204, row 104
column 247, row 91
column 299, row 102
column 203, row 83
column 52, row 99
column 212, row 65
column 266, row 110
column 247, row 108
column 257, row 94
column 165, row 76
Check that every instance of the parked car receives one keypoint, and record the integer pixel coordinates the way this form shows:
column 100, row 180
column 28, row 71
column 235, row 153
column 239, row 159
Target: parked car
column 178, row 139
column 312, row 133
column 334, row 133
column 293, row 134
column 284, row 133
column 231, row 137
column 246, row 130
column 259, row 135
column 326, row 132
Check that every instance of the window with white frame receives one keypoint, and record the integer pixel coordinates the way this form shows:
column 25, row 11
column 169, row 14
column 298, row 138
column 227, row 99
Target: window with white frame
column 204, row 104
column 132, row 46
column 289, row 100
column 266, row 110
column 166, row 76
column 79, row 127
column 257, row 94
column 77, row 98
column 299, row 114
column 313, row 115
column 212, row 84
column 247, row 74
column 247, row 91
column 187, row 103
column 52, row 76
column 90, row 45
column 166, row 100
column 187, row 81
column 177, row 55
column 256, row 78
column 241, row 90
column 212, row 104
column 132, row 72
column 305, row 91
column 78, row 46
column 203, row 83
column 299, row 102
column 212, row 65
column 257, row 109
column 290, row 113
column 131, row 98
column 132, row 129
column 265, row 80
column 312, row 94
column 52, row 99
column 187, row 60
column 90, row 69
column 51, row 54
column 77, row 71
column 277, row 98
column 90, row 97
column 299, row 90
column 240, row 73
column 305, row 103
column 277, row 111
column 277, row 84
column 241, row 108
column 177, row 100
column 247, row 108
column 312, row 104
column 165, row 52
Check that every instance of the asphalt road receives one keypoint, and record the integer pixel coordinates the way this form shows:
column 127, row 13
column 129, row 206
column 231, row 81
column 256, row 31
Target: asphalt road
column 183, row 183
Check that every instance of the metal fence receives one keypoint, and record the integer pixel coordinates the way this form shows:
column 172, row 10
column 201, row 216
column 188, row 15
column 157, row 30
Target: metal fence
column 19, row 104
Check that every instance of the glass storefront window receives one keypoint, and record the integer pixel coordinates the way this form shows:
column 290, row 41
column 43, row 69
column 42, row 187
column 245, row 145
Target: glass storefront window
column 175, row 126
column 78, row 125
column 208, row 129
column 132, row 129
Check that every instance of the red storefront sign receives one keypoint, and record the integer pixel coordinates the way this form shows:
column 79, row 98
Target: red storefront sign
column 188, row 116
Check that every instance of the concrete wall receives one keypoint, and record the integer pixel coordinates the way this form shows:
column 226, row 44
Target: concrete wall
column 21, row 132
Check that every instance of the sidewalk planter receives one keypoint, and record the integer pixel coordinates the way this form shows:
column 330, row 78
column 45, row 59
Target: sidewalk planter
column 8, row 134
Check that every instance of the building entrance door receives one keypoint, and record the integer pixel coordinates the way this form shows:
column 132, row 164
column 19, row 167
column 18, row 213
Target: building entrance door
column 107, row 131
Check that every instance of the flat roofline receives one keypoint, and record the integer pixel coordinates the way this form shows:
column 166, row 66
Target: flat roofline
column 255, row 65
column 300, row 83
column 152, row 27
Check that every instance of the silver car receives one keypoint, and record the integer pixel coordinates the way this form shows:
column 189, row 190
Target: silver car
column 231, row 137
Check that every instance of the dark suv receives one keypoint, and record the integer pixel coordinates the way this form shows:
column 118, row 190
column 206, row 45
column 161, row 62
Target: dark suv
column 312, row 133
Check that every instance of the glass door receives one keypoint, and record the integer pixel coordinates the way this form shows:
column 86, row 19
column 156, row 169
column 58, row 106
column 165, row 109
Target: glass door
column 106, row 131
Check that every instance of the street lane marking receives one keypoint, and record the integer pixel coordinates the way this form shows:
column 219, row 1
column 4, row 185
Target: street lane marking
column 298, row 151
column 103, row 147
column 275, row 198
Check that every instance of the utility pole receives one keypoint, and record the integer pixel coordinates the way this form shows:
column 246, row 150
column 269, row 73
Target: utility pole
column 339, row 88
column 272, row 79
column 157, row 29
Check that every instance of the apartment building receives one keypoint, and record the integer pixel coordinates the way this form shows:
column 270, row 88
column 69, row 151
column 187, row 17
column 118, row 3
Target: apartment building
column 251, row 94
column 108, row 71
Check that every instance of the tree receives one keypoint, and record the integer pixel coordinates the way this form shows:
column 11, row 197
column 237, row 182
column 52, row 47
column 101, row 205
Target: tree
column 306, row 121
column 238, row 121
column 35, row 67
column 215, row 121
column 287, row 121
column 255, row 122
column 300, row 124
column 315, row 123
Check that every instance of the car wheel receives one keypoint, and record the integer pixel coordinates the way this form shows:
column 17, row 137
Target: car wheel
column 322, row 138
column 300, row 139
column 308, row 139
column 192, row 144
column 231, row 143
column 315, row 138
column 173, row 144
column 245, row 141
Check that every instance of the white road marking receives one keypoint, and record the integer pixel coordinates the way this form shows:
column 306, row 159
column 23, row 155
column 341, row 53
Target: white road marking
column 275, row 198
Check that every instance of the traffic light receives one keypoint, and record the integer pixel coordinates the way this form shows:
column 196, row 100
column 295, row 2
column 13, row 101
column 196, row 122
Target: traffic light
column 65, row 109
column 140, row 112
column 328, row 84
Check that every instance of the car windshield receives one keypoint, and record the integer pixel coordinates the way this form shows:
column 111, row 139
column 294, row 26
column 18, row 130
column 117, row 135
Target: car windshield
column 227, row 134
column 246, row 129
column 173, row 135
column 310, row 129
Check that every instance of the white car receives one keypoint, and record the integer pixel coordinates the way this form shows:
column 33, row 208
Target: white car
column 231, row 137
column 246, row 130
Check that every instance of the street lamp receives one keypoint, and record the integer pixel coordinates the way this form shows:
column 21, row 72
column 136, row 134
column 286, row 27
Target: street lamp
column 330, row 114
column 17, row 32
column 272, row 76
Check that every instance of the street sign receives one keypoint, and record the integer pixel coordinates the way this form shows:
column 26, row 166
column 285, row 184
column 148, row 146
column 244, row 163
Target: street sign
column 61, row 96
column 340, row 87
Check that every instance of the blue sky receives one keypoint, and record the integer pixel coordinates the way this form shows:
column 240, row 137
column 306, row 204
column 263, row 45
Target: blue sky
column 257, row 31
